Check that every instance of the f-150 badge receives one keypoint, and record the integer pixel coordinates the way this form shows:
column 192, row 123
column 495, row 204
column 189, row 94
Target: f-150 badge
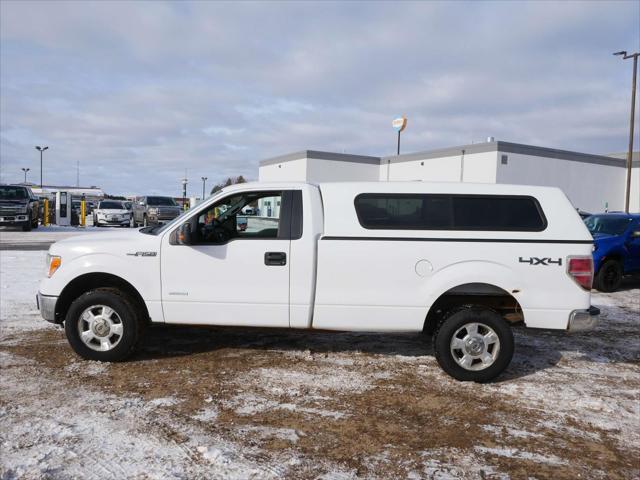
column 540, row 261
column 143, row 254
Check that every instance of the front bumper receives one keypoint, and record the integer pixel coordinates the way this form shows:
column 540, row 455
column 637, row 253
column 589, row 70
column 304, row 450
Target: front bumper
column 47, row 306
column 13, row 219
column 583, row 320
column 126, row 221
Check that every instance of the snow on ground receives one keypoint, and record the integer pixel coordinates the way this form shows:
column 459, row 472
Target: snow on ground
column 230, row 403
column 20, row 274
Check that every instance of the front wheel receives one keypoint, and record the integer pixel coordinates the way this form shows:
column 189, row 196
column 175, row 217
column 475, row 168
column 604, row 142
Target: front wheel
column 609, row 276
column 26, row 226
column 103, row 325
column 474, row 344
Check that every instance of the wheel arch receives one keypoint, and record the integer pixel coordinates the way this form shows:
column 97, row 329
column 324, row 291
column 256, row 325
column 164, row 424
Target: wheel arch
column 481, row 294
column 91, row 281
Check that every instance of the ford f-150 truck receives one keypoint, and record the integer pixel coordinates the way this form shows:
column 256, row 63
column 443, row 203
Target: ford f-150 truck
column 18, row 207
column 461, row 262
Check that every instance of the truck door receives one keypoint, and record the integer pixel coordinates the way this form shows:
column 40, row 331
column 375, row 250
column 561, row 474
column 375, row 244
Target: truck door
column 632, row 242
column 235, row 269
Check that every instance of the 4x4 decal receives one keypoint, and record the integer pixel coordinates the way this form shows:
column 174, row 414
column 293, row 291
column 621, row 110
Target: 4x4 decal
column 540, row 261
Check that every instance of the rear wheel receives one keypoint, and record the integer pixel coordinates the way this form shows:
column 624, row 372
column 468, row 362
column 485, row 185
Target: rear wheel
column 103, row 325
column 609, row 276
column 474, row 344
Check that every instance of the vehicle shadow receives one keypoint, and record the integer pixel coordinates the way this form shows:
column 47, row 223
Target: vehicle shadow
column 535, row 350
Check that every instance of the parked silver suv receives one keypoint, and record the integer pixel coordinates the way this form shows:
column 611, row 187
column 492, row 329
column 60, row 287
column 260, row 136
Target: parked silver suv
column 154, row 210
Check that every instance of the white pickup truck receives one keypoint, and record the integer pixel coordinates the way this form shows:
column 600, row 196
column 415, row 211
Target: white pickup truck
column 460, row 262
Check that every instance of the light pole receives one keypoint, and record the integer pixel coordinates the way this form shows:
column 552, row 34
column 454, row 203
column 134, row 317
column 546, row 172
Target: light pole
column 631, row 123
column 41, row 149
column 184, row 192
column 204, row 181
column 399, row 124
column 25, row 170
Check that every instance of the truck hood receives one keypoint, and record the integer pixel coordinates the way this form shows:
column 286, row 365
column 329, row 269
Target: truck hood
column 118, row 243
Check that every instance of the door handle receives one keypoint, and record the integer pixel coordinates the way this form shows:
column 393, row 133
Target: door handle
column 275, row 258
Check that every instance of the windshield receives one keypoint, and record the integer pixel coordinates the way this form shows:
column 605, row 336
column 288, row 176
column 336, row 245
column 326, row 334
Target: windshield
column 110, row 206
column 609, row 225
column 161, row 201
column 13, row 193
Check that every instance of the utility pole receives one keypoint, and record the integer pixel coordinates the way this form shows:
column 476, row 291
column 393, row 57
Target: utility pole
column 204, row 181
column 631, row 124
column 41, row 150
column 25, row 170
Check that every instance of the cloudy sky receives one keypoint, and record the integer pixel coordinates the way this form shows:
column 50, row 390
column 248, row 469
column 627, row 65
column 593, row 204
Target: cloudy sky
column 139, row 91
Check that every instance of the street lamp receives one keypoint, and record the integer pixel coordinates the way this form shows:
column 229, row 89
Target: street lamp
column 41, row 149
column 184, row 192
column 25, row 170
column 204, row 181
column 631, row 123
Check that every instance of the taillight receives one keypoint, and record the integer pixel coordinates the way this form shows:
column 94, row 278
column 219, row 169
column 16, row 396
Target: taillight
column 581, row 270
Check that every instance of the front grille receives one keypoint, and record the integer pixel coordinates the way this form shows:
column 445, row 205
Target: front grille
column 10, row 210
column 167, row 213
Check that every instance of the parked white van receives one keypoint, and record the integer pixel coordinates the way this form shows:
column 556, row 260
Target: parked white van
column 461, row 262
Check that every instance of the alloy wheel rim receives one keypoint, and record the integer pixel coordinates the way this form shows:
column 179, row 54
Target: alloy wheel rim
column 100, row 328
column 475, row 346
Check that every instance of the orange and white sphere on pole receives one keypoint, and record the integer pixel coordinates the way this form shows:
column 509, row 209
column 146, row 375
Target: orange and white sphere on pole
column 399, row 124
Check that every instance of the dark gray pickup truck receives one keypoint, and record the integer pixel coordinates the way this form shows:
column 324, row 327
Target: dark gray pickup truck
column 154, row 210
column 18, row 207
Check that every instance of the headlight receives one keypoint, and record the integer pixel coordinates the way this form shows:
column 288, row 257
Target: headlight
column 53, row 262
column 153, row 211
column 23, row 208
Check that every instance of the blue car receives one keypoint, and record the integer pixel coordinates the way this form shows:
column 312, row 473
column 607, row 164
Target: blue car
column 617, row 248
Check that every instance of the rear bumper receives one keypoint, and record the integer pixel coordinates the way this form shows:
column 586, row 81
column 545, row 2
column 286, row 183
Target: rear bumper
column 47, row 306
column 583, row 320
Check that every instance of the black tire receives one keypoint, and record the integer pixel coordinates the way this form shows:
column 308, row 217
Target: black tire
column 26, row 226
column 129, row 317
column 457, row 320
column 34, row 223
column 609, row 277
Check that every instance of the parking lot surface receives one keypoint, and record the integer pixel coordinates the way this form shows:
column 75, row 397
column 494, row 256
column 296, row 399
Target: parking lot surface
column 233, row 403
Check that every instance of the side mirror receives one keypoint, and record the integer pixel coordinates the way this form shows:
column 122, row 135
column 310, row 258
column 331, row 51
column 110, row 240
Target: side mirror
column 184, row 234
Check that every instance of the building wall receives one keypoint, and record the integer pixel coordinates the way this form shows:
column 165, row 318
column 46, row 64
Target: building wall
column 476, row 168
column 322, row 170
column 634, row 201
column 589, row 186
column 289, row 171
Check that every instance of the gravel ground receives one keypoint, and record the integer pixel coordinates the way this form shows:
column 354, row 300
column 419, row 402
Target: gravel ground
column 231, row 403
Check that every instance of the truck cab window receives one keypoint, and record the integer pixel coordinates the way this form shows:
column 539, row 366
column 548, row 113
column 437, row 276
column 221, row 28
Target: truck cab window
column 248, row 215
